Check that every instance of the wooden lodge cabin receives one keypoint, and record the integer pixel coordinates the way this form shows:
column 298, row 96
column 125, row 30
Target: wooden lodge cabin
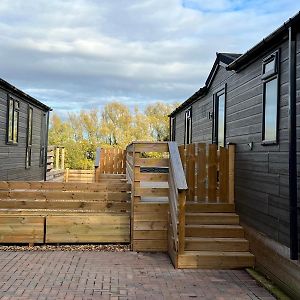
column 23, row 135
column 253, row 101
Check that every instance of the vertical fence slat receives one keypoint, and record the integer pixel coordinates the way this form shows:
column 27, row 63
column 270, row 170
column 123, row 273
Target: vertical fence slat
column 231, row 158
column 212, row 173
column 201, row 172
column 190, row 171
column 103, row 162
column 223, row 175
column 124, row 162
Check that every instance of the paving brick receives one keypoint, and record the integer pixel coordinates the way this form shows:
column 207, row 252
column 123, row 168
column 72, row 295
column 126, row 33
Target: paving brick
column 112, row 275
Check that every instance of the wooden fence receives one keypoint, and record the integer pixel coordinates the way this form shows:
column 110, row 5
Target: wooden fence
column 112, row 161
column 54, row 212
column 209, row 172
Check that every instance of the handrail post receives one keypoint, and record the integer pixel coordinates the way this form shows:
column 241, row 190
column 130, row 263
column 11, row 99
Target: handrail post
column 181, row 217
column 231, row 166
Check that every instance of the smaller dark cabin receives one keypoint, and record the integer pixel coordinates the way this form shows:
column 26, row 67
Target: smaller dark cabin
column 23, row 135
column 253, row 101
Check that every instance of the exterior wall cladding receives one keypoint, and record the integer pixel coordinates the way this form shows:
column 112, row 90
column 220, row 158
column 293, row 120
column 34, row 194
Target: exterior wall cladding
column 12, row 157
column 261, row 173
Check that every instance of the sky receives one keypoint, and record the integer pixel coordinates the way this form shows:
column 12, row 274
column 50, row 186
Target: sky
column 82, row 54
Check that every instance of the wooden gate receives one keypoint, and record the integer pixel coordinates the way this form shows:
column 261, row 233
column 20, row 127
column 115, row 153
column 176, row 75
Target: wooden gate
column 209, row 172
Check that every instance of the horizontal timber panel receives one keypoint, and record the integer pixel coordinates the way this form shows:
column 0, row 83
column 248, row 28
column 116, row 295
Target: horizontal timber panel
column 57, row 195
column 21, row 229
column 65, row 186
column 152, row 162
column 84, row 229
column 150, row 234
column 150, row 245
column 154, row 177
column 145, row 216
column 71, row 205
column 148, row 192
column 150, row 225
column 151, row 207
column 155, row 147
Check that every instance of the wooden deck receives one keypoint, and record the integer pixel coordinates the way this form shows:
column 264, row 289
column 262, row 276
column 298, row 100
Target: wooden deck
column 171, row 199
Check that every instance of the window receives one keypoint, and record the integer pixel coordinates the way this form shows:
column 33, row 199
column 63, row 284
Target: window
column 219, row 117
column 173, row 129
column 270, row 99
column 188, row 127
column 43, row 139
column 29, row 138
column 13, row 121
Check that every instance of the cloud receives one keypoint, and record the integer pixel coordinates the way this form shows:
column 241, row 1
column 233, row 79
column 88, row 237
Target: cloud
column 77, row 54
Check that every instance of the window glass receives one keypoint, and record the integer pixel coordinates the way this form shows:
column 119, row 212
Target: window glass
column 16, row 121
column 221, row 120
column 30, row 127
column 269, row 66
column 188, row 127
column 10, row 120
column 270, row 122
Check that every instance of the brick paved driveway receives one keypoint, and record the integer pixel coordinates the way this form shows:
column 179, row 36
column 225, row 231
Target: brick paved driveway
column 107, row 275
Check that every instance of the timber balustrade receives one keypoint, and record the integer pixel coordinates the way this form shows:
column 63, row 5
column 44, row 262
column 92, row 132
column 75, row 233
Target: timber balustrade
column 209, row 172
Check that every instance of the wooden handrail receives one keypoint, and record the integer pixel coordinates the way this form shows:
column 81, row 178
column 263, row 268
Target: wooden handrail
column 176, row 164
column 177, row 197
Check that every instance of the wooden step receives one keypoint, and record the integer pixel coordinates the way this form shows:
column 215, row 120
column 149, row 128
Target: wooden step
column 216, row 244
column 211, row 218
column 195, row 207
column 214, row 231
column 215, row 260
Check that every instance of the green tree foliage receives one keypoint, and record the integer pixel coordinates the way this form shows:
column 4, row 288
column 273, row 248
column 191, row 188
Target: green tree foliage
column 115, row 126
column 158, row 120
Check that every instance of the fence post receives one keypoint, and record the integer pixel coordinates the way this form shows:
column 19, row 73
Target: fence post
column 231, row 166
column 62, row 166
column 67, row 175
column 57, row 158
column 181, row 218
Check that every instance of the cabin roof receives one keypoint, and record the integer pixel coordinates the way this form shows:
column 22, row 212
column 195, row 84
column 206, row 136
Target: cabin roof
column 23, row 95
column 233, row 61
column 223, row 59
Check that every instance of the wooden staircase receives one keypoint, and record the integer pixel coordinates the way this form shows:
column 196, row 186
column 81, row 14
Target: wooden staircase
column 213, row 238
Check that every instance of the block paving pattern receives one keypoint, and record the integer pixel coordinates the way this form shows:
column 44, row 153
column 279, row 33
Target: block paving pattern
column 116, row 275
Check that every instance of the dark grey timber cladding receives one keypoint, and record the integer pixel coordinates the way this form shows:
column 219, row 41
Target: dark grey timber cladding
column 261, row 173
column 298, row 126
column 12, row 157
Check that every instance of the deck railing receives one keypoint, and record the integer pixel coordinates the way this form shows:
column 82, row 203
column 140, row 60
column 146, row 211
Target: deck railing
column 177, row 198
